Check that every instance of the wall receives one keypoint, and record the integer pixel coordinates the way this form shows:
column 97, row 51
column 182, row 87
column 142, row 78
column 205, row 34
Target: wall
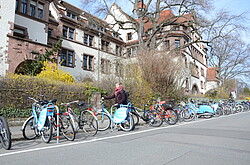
column 36, row 30
column 7, row 15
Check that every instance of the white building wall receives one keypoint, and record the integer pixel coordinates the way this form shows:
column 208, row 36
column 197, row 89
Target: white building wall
column 211, row 85
column 7, row 16
column 36, row 30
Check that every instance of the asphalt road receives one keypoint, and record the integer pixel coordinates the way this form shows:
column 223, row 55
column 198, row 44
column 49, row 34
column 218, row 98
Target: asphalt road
column 217, row 141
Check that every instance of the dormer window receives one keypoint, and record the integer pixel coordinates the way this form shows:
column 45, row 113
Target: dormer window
column 129, row 36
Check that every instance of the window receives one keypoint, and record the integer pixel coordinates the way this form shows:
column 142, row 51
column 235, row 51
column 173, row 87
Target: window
column 69, row 14
column 105, row 45
column 24, row 6
column 187, row 85
column 128, row 52
column 177, row 43
column 40, row 11
column 202, row 85
column 133, row 51
column 20, row 31
column 197, row 71
column 67, row 57
column 17, row 5
column 118, row 50
column 202, row 72
column 119, row 70
column 186, row 62
column 167, row 44
column 129, row 36
column 50, row 32
column 105, row 66
column 88, row 40
column 177, row 28
column 32, row 8
column 68, row 33
column 88, row 62
column 71, row 33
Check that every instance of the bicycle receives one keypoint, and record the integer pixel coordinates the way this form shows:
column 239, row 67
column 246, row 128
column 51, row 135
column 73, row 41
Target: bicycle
column 86, row 121
column 42, row 122
column 167, row 112
column 122, row 118
column 185, row 113
column 5, row 134
column 152, row 117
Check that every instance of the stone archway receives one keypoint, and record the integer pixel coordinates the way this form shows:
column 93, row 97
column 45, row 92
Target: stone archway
column 26, row 67
column 195, row 89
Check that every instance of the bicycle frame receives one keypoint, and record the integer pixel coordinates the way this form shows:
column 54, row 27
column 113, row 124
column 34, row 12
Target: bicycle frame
column 119, row 116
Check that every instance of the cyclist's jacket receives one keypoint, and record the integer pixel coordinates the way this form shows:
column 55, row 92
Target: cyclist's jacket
column 120, row 97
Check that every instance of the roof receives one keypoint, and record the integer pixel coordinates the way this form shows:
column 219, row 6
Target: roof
column 170, row 18
column 212, row 74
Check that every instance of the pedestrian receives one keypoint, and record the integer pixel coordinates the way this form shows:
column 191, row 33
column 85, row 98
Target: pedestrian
column 233, row 94
column 119, row 95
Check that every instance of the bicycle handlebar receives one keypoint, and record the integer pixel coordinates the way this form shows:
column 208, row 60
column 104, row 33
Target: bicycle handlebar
column 66, row 104
column 31, row 98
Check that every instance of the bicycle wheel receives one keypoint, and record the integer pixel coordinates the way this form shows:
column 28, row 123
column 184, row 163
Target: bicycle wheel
column 188, row 114
column 29, row 129
column 67, row 128
column 5, row 135
column 89, row 123
column 104, row 121
column 135, row 118
column 128, row 124
column 171, row 116
column 47, row 131
column 154, row 118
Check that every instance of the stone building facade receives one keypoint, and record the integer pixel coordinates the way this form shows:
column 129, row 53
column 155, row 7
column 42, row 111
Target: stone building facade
column 91, row 49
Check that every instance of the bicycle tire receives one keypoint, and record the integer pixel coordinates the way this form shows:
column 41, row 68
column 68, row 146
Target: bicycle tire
column 188, row 115
column 66, row 128
column 155, row 118
column 5, row 135
column 89, row 122
column 135, row 117
column 171, row 117
column 104, row 121
column 47, row 131
column 29, row 129
column 128, row 123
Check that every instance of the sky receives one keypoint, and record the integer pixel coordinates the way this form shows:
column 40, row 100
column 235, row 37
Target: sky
column 234, row 6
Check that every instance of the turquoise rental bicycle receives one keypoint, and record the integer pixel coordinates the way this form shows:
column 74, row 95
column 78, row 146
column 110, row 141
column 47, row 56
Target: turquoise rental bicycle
column 122, row 117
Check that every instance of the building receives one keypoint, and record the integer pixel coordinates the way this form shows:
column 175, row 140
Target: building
column 26, row 32
column 213, row 80
column 91, row 49
column 195, row 55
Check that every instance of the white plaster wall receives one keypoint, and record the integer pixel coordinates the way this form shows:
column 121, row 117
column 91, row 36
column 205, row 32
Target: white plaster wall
column 7, row 14
column 36, row 30
column 211, row 85
column 79, row 50
column 122, row 17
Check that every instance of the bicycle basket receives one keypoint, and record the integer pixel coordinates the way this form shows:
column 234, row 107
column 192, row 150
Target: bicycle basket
column 120, row 115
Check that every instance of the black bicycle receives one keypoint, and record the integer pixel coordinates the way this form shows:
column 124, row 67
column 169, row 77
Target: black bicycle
column 151, row 117
column 5, row 135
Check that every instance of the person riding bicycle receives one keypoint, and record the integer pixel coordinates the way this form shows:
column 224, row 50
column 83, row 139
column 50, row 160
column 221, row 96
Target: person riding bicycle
column 119, row 95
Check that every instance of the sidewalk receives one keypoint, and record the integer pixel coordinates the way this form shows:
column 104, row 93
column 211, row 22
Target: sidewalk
column 15, row 126
column 16, row 133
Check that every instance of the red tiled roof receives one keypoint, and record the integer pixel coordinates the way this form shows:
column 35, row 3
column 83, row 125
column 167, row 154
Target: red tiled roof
column 168, row 15
column 212, row 74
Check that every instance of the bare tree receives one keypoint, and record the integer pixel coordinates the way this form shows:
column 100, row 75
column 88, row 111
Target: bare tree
column 231, row 57
column 191, row 14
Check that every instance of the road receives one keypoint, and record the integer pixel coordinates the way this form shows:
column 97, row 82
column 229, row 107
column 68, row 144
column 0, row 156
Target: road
column 218, row 141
